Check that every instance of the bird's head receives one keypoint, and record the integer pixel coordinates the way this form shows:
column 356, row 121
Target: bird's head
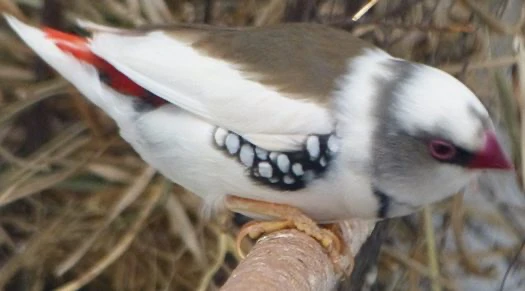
column 433, row 135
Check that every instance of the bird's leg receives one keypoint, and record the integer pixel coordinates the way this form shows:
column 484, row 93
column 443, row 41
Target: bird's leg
column 288, row 217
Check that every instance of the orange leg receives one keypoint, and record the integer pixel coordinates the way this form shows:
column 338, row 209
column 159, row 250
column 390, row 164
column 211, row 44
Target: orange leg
column 288, row 217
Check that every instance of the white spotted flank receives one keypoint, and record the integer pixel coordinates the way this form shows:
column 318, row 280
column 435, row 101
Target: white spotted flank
column 232, row 143
column 283, row 162
column 265, row 170
column 333, row 144
column 247, row 155
column 313, row 147
column 288, row 179
column 220, row 136
column 297, row 169
column 261, row 154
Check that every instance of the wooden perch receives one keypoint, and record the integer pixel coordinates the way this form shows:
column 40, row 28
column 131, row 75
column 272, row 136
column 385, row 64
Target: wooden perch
column 291, row 260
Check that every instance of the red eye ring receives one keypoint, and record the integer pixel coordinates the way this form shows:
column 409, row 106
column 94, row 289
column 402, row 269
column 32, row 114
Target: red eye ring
column 442, row 150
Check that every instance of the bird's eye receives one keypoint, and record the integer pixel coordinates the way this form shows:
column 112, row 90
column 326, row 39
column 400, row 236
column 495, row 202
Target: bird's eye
column 442, row 150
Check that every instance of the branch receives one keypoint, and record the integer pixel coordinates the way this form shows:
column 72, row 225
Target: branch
column 291, row 260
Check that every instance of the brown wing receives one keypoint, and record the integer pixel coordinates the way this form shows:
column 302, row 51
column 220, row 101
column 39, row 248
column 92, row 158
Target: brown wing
column 302, row 59
column 298, row 64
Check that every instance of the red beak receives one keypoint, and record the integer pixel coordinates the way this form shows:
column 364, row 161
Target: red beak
column 491, row 156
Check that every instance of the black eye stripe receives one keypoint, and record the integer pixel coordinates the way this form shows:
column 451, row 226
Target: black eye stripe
column 461, row 158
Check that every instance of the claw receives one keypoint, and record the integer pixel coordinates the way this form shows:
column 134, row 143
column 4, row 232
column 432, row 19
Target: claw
column 256, row 229
column 286, row 217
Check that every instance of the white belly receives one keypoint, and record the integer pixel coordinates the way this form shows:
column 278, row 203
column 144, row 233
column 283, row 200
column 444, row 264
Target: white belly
column 181, row 147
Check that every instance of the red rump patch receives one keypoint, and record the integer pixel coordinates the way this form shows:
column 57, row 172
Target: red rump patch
column 79, row 48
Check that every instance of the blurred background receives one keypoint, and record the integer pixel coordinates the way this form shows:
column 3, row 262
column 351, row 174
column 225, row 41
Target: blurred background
column 80, row 210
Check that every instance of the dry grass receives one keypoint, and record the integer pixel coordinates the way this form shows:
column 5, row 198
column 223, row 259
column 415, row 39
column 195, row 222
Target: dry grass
column 80, row 209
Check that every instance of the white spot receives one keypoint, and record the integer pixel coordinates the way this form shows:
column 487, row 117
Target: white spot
column 288, row 179
column 220, row 136
column 247, row 155
column 338, row 130
column 371, row 276
column 274, row 180
column 308, row 176
column 283, row 162
column 313, row 147
column 273, row 156
column 265, row 170
column 233, row 143
column 261, row 154
column 333, row 144
column 297, row 169
column 322, row 162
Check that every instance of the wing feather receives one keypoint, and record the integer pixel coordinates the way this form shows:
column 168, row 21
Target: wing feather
column 83, row 76
column 216, row 90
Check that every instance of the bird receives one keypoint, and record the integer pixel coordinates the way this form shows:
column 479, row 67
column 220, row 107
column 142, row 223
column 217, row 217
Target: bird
column 294, row 124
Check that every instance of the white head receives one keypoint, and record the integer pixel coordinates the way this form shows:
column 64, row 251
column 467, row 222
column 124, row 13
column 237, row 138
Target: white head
column 431, row 134
column 433, row 101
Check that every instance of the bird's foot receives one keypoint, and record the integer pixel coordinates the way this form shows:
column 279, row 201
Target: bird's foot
column 287, row 217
